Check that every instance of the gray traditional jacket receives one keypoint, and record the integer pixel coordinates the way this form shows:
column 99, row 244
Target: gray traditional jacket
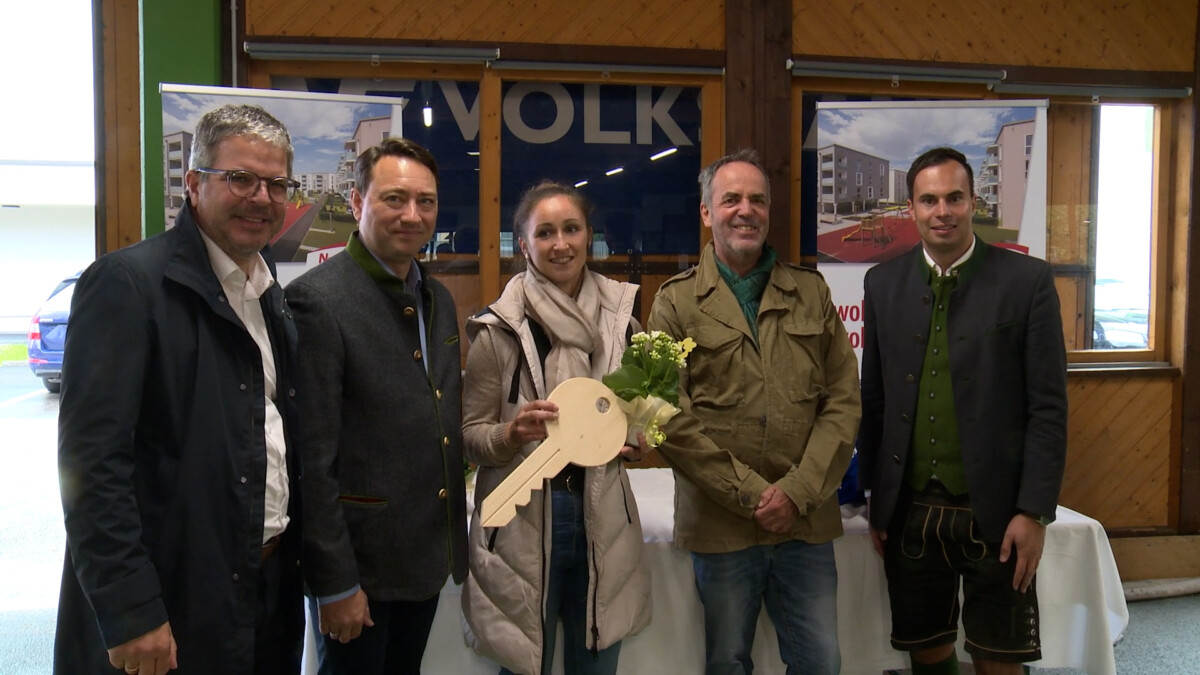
column 382, row 437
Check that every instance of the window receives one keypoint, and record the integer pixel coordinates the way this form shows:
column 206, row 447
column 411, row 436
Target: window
column 1124, row 195
column 632, row 149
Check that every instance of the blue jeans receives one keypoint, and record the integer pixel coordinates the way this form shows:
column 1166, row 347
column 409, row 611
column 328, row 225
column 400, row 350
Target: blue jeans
column 567, row 593
column 798, row 581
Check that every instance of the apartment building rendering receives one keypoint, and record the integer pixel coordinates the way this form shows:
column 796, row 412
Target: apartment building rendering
column 369, row 131
column 312, row 184
column 177, row 154
column 1003, row 173
column 852, row 181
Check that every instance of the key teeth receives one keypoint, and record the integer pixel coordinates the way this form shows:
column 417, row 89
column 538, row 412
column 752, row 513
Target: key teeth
column 504, row 513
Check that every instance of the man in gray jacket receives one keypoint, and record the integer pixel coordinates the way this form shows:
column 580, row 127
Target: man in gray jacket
column 380, row 361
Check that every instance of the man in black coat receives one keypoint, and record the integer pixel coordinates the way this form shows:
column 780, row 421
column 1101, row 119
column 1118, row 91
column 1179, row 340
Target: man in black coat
column 380, row 363
column 177, row 459
column 963, row 436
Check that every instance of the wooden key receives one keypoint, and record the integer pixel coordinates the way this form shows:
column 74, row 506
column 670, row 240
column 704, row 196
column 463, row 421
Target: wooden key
column 590, row 431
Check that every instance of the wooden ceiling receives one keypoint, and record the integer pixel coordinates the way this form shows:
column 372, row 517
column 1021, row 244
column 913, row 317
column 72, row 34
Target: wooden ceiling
column 1103, row 34
column 683, row 24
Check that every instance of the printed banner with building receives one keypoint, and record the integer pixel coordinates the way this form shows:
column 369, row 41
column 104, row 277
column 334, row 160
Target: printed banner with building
column 328, row 132
column 864, row 152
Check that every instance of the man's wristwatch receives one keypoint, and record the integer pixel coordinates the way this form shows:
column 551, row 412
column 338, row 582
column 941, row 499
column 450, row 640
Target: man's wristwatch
column 1039, row 519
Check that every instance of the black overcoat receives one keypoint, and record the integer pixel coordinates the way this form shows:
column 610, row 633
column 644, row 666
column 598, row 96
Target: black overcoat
column 162, row 462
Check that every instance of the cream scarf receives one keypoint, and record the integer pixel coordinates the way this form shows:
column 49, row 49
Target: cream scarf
column 572, row 324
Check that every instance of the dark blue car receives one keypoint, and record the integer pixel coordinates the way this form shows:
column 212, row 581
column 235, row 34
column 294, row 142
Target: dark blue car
column 48, row 335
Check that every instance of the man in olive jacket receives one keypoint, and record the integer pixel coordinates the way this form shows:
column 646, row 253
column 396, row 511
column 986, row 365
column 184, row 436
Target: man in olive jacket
column 770, row 408
column 380, row 360
column 177, row 458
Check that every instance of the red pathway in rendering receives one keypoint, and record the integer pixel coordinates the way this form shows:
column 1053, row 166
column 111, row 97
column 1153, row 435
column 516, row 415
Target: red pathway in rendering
column 293, row 214
column 895, row 235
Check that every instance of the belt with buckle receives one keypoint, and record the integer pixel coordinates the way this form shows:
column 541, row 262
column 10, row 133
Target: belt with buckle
column 569, row 479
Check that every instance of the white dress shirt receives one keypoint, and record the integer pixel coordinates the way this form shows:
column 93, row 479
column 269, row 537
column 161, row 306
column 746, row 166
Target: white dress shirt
column 243, row 293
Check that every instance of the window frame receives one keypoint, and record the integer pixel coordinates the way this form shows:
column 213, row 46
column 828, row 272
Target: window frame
column 1161, row 343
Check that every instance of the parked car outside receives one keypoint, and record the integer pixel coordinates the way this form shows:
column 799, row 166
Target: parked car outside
column 48, row 334
column 1122, row 317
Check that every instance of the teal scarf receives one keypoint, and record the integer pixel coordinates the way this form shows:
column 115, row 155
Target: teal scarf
column 749, row 289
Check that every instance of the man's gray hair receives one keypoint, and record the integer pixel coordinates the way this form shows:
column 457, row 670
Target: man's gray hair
column 747, row 155
column 237, row 120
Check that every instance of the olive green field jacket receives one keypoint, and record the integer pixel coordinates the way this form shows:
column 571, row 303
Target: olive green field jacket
column 781, row 410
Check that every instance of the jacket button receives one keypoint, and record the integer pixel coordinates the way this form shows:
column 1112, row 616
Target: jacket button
column 292, row 392
column 924, row 299
column 919, row 338
column 442, row 493
column 409, row 311
column 417, row 355
column 242, row 386
column 745, row 500
column 243, row 480
column 235, row 576
column 910, row 378
column 438, row 394
column 904, row 417
column 896, row 458
column 445, row 441
column 762, row 421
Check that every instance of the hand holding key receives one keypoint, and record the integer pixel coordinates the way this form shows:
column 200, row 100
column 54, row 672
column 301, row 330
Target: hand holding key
column 590, row 431
column 530, row 423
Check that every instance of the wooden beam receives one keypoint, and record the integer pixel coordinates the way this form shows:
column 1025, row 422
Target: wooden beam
column 118, row 128
column 1189, row 455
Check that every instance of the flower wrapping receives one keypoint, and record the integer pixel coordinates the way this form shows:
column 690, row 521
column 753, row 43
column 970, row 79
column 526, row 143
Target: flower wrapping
column 647, row 383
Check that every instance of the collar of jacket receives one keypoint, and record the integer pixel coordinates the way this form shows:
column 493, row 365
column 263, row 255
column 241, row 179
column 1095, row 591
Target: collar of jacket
column 358, row 251
column 708, row 277
column 966, row 271
column 714, row 298
column 189, row 265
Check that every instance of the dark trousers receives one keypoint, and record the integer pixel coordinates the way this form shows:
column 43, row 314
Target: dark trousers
column 395, row 645
column 276, row 652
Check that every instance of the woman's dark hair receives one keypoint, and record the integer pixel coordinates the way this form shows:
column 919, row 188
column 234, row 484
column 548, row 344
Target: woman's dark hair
column 544, row 190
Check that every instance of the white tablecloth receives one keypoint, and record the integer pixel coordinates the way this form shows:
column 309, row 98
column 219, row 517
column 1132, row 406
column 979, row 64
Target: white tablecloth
column 1082, row 603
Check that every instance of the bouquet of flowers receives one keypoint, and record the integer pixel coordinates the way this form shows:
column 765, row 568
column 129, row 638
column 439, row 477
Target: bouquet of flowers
column 647, row 383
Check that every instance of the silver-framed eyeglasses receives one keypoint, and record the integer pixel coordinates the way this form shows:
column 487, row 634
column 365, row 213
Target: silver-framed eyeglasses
column 245, row 184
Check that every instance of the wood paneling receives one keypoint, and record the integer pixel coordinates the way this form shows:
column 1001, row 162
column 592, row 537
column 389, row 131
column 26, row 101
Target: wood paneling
column 119, row 170
column 1069, row 208
column 680, row 24
column 1107, row 34
column 1119, row 457
column 1157, row 557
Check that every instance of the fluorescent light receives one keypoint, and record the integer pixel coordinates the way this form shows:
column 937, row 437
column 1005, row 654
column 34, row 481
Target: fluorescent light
column 613, row 172
column 664, row 153
column 581, row 183
column 473, row 153
column 427, row 115
column 370, row 53
column 896, row 72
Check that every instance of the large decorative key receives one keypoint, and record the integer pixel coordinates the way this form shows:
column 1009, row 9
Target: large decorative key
column 590, row 431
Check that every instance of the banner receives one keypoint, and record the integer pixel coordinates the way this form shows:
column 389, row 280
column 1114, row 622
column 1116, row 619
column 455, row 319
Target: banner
column 328, row 132
column 864, row 150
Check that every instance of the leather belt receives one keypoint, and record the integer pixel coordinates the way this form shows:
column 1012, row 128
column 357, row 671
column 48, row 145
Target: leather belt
column 569, row 479
column 269, row 548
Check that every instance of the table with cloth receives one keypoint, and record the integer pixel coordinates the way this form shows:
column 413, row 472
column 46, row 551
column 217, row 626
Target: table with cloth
column 1083, row 608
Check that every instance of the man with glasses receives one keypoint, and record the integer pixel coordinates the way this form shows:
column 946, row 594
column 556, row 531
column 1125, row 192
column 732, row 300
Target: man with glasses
column 380, row 366
column 177, row 454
